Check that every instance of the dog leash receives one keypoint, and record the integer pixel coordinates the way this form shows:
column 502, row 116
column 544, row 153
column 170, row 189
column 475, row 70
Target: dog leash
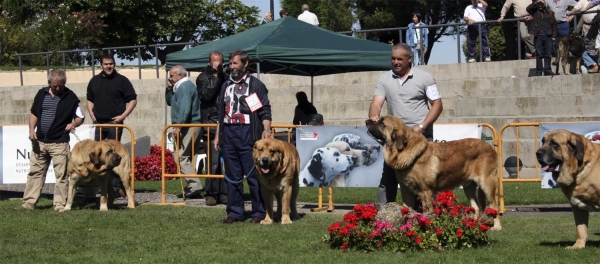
column 250, row 173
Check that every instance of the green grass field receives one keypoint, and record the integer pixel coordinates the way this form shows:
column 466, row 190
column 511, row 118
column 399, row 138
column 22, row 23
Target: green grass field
column 168, row 234
column 514, row 193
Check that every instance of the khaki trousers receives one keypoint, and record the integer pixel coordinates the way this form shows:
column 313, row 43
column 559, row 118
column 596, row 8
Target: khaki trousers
column 39, row 162
column 527, row 38
column 185, row 156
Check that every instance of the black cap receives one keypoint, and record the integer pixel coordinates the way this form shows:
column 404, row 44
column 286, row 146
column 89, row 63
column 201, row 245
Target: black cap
column 315, row 119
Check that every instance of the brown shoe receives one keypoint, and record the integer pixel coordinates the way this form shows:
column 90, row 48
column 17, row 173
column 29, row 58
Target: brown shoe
column 230, row 220
column 593, row 69
column 255, row 220
column 210, row 201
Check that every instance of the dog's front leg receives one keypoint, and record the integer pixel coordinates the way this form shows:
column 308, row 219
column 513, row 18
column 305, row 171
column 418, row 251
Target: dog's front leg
column 581, row 222
column 103, row 182
column 284, row 204
column 127, row 186
column 268, row 199
column 73, row 182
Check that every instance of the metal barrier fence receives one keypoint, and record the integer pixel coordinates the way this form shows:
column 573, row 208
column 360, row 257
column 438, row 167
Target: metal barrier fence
column 206, row 140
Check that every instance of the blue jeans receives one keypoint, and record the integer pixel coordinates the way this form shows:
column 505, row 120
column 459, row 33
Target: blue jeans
column 588, row 60
column 543, row 47
column 417, row 55
column 237, row 155
column 473, row 35
column 563, row 29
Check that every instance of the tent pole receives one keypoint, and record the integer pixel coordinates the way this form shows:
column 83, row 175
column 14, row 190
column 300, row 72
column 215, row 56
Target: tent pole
column 258, row 70
column 311, row 89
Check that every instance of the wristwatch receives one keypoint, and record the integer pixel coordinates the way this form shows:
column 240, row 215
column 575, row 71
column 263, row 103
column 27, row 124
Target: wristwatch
column 421, row 126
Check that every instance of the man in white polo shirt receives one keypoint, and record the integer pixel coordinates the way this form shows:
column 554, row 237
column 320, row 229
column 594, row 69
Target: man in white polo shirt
column 409, row 92
column 475, row 12
column 308, row 16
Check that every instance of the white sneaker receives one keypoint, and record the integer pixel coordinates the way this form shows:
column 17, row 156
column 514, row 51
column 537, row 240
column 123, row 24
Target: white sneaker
column 488, row 59
column 471, row 61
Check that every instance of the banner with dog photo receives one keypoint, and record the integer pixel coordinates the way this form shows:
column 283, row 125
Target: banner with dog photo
column 346, row 156
column 16, row 150
column 590, row 130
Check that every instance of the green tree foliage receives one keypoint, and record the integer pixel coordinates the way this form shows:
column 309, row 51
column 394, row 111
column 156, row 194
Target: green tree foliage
column 113, row 23
column 334, row 15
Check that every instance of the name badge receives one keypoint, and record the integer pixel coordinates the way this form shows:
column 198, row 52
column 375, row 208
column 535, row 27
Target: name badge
column 253, row 102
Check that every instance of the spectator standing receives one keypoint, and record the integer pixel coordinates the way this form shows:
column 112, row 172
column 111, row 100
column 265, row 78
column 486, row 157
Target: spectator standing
column 208, row 84
column 559, row 7
column 417, row 38
column 476, row 13
column 55, row 112
column 244, row 118
column 411, row 105
column 519, row 7
column 283, row 13
column 586, row 19
column 110, row 99
column 268, row 18
column 308, row 16
column 182, row 96
column 543, row 27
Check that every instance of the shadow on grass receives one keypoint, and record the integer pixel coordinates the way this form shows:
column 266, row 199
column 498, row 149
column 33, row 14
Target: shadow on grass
column 564, row 244
column 340, row 207
column 5, row 195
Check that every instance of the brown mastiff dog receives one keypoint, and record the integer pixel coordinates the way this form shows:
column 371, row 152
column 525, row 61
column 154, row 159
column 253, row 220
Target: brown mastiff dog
column 425, row 168
column 96, row 163
column 575, row 165
column 278, row 166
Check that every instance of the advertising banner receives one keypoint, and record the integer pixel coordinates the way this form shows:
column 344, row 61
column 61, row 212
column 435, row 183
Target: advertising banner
column 16, row 151
column 346, row 156
column 590, row 130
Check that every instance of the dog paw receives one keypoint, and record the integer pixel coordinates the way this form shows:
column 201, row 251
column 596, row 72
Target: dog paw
column 286, row 221
column 496, row 228
column 266, row 222
column 103, row 208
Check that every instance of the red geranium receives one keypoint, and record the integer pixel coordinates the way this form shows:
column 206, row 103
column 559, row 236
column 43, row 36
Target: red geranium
column 459, row 233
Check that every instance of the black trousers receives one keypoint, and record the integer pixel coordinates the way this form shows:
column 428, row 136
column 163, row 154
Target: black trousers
column 214, row 187
column 390, row 183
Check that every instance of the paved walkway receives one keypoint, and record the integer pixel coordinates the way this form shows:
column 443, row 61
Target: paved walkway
column 15, row 191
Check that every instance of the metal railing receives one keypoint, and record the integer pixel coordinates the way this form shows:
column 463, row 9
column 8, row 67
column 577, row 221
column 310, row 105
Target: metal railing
column 401, row 31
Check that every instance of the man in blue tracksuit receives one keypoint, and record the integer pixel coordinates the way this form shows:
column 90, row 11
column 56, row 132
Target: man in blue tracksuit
column 244, row 118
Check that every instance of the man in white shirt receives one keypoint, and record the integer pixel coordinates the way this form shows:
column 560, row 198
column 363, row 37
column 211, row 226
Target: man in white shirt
column 476, row 13
column 308, row 17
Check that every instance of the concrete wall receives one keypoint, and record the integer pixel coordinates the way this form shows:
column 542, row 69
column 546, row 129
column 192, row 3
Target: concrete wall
column 494, row 92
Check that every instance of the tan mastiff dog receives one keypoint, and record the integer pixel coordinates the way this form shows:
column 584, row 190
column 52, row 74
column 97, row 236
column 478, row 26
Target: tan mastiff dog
column 97, row 162
column 575, row 165
column 426, row 168
column 278, row 167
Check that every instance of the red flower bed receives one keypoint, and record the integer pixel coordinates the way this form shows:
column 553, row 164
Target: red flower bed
column 149, row 168
column 451, row 226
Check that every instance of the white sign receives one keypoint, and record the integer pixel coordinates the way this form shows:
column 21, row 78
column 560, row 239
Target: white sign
column 16, row 151
column 449, row 132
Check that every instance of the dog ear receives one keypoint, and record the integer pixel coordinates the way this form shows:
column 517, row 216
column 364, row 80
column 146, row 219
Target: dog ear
column 400, row 142
column 95, row 156
column 576, row 145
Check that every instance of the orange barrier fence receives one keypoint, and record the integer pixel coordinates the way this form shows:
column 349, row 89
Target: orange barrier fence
column 287, row 135
column 517, row 128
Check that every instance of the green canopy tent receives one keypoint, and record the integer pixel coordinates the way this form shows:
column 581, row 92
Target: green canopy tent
column 290, row 46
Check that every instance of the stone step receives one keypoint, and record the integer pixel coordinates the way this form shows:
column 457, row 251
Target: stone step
column 587, row 84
